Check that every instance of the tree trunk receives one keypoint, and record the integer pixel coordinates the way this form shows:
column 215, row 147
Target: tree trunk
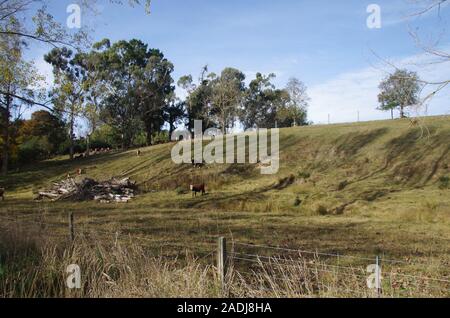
column 224, row 129
column 149, row 137
column 402, row 112
column 5, row 150
column 88, row 145
column 171, row 130
column 392, row 113
column 72, row 123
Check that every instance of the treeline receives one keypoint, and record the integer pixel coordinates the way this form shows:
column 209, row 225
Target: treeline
column 123, row 93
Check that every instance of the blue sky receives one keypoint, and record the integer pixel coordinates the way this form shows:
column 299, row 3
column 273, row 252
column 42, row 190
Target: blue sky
column 326, row 44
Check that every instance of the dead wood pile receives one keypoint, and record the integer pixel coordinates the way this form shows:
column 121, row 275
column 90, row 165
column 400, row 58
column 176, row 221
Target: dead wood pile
column 113, row 190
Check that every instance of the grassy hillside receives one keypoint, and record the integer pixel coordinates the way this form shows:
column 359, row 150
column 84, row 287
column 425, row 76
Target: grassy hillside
column 365, row 188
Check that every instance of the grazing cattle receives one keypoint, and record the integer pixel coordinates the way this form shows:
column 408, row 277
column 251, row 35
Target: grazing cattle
column 195, row 188
column 2, row 194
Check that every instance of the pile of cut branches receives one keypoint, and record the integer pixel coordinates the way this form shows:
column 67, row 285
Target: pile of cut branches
column 113, row 190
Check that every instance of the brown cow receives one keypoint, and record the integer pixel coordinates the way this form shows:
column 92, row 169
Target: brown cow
column 198, row 188
column 2, row 194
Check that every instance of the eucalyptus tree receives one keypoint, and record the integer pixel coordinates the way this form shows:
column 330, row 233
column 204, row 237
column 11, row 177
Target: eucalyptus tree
column 199, row 97
column 18, row 80
column 138, row 85
column 296, row 111
column 174, row 113
column 69, row 89
column 259, row 106
column 227, row 96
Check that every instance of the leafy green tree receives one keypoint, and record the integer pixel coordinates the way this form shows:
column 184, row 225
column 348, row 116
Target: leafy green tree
column 138, row 87
column 227, row 95
column 68, row 93
column 399, row 90
column 295, row 112
column 95, row 90
column 154, row 91
column 260, row 103
column 44, row 124
column 198, row 101
column 174, row 114
column 17, row 77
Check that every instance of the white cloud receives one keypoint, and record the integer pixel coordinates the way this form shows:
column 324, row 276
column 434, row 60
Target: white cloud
column 343, row 96
column 45, row 70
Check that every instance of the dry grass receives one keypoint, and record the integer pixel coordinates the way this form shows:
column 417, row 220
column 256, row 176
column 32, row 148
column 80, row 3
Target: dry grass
column 32, row 266
column 35, row 267
column 366, row 189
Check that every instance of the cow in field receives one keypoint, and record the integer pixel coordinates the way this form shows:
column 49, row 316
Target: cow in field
column 195, row 188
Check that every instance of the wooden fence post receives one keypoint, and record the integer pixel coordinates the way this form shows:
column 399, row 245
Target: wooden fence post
column 71, row 231
column 378, row 276
column 222, row 259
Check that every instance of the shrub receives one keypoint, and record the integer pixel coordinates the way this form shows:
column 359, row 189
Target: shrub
column 34, row 149
column 444, row 182
column 342, row 185
column 180, row 190
column 321, row 210
column 304, row 175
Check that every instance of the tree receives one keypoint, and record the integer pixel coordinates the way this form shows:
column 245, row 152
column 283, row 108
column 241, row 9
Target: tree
column 155, row 91
column 399, row 90
column 44, row 124
column 297, row 110
column 138, row 87
column 227, row 93
column 431, row 45
column 43, row 27
column 17, row 77
column 174, row 113
column 68, row 93
column 198, row 101
column 261, row 103
column 95, row 91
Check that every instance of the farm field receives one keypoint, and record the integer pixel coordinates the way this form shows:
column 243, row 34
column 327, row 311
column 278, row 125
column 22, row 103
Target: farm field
column 362, row 190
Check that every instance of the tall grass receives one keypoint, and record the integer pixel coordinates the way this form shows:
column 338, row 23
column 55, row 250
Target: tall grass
column 36, row 267
column 33, row 265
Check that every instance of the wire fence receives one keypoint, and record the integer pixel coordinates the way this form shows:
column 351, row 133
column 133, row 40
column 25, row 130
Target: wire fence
column 283, row 269
column 396, row 278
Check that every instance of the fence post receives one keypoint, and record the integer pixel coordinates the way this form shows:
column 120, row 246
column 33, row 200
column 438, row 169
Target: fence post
column 221, row 259
column 378, row 277
column 71, row 231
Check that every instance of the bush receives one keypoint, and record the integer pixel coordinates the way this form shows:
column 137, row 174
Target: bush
column 444, row 182
column 34, row 149
column 180, row 190
column 342, row 185
column 321, row 210
column 304, row 175
column 79, row 146
column 161, row 137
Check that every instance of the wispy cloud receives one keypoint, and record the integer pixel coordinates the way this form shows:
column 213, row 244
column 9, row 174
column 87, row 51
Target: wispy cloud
column 349, row 93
